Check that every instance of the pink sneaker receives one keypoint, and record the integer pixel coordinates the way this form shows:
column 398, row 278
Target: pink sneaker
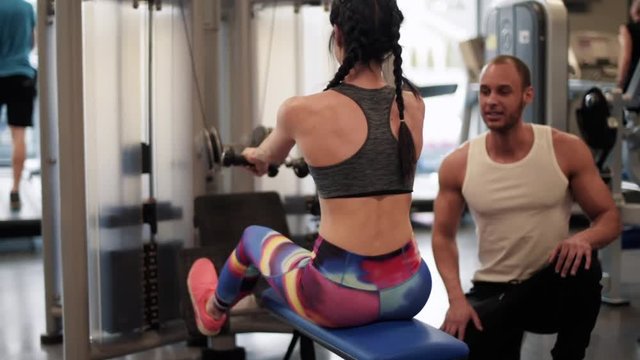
column 202, row 282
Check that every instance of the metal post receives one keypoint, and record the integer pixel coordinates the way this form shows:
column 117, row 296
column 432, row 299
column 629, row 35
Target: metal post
column 206, row 62
column 50, row 224
column 612, row 254
column 73, row 185
column 557, row 74
column 479, row 17
column 242, row 85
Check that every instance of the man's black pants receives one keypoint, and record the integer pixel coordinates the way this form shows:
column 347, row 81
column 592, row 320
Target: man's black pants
column 546, row 303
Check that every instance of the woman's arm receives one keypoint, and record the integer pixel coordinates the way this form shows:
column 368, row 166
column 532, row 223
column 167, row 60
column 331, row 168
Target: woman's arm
column 277, row 145
column 624, row 56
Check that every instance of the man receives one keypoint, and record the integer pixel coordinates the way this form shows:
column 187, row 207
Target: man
column 519, row 181
column 17, row 80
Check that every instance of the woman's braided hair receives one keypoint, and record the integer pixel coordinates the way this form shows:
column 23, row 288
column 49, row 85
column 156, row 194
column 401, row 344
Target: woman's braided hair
column 370, row 31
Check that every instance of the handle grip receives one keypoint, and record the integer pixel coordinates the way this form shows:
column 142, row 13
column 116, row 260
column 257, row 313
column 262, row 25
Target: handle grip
column 231, row 158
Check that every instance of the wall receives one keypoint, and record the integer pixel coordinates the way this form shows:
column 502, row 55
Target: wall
column 601, row 15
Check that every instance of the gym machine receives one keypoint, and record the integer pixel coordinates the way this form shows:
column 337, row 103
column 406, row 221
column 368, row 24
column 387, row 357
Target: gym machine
column 125, row 173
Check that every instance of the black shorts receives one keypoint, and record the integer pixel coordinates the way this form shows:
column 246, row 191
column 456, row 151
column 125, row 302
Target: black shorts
column 18, row 93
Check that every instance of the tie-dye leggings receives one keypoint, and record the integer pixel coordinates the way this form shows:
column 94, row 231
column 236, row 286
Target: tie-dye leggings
column 329, row 286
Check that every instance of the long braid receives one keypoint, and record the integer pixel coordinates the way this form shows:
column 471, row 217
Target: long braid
column 347, row 64
column 406, row 146
column 370, row 31
column 397, row 74
column 351, row 37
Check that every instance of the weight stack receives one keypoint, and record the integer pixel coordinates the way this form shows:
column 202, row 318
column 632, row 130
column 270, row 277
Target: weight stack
column 122, row 287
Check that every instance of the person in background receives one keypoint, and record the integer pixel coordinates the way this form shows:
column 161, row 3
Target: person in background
column 629, row 37
column 17, row 81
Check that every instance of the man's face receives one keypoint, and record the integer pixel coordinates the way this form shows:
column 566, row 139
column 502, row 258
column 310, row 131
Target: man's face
column 502, row 98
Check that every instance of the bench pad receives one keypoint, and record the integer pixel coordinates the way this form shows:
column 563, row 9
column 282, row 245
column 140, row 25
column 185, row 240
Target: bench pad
column 402, row 340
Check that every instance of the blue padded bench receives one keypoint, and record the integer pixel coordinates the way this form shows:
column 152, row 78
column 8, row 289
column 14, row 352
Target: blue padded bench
column 400, row 340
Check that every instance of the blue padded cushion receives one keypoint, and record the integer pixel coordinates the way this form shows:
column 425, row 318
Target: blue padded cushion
column 408, row 339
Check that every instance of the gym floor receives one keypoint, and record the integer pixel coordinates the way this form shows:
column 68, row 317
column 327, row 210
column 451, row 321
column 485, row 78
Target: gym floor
column 23, row 314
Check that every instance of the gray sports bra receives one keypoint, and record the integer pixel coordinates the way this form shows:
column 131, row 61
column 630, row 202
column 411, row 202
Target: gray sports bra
column 375, row 168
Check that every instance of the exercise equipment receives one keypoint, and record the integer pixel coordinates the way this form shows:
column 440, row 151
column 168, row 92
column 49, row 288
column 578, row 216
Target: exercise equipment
column 218, row 155
column 103, row 113
column 596, row 126
column 400, row 339
column 220, row 220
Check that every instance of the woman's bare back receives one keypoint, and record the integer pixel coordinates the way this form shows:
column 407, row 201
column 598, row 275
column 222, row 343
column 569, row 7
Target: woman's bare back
column 330, row 128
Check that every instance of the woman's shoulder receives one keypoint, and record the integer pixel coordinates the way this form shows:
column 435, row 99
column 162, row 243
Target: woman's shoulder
column 303, row 103
column 410, row 97
column 413, row 104
column 297, row 108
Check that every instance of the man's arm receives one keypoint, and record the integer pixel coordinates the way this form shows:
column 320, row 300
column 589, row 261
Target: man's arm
column 448, row 208
column 593, row 196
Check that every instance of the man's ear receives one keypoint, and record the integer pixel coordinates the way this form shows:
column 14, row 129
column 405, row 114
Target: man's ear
column 528, row 95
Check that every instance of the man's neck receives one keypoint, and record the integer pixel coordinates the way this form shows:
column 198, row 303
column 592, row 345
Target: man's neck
column 512, row 144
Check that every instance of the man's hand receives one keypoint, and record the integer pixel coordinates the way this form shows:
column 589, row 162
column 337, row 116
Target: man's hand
column 568, row 256
column 457, row 318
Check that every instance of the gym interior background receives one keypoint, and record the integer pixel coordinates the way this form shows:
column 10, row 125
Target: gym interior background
column 163, row 72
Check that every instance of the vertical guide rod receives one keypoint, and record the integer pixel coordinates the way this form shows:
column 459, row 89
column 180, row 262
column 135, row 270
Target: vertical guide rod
column 50, row 175
column 150, row 127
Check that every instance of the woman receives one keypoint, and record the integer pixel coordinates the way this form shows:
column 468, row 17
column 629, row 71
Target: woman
column 360, row 138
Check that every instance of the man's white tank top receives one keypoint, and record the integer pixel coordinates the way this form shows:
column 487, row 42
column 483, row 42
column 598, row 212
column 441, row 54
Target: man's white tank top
column 521, row 209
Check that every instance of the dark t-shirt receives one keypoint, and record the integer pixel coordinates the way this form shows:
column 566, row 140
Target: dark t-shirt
column 634, row 31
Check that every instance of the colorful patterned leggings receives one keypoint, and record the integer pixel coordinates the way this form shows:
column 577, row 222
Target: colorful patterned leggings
column 329, row 286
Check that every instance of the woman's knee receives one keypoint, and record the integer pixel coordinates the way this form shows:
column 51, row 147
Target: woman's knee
column 256, row 232
column 253, row 239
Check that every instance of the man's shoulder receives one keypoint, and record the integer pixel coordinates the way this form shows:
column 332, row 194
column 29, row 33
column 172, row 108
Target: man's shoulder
column 18, row 8
column 456, row 160
column 23, row 5
column 571, row 150
column 563, row 139
column 461, row 151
